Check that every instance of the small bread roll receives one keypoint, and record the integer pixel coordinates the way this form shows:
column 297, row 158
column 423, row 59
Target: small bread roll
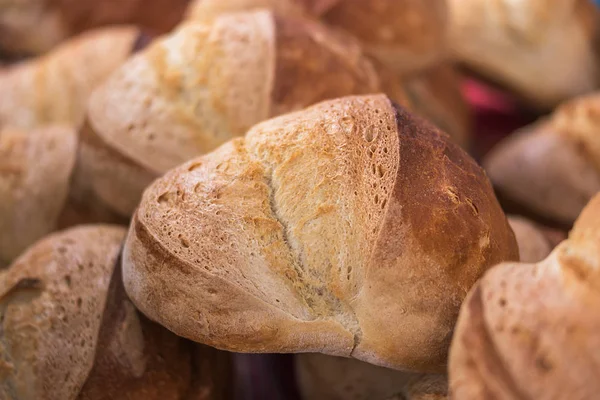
column 35, row 172
column 545, row 51
column 36, row 26
column 532, row 331
column 192, row 91
column 68, row 330
column 552, row 167
column 351, row 228
column 534, row 243
column 405, row 35
column 54, row 89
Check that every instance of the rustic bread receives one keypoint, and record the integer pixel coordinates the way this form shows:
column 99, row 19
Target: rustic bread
column 35, row 26
column 552, row 167
column 35, row 168
column 206, row 83
column 531, row 331
column 535, row 242
column 68, row 330
column 406, row 35
column 53, row 89
column 339, row 378
column 510, row 42
column 351, row 228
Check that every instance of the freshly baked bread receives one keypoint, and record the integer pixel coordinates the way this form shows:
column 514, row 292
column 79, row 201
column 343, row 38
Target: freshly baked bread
column 35, row 168
column 339, row 378
column 352, row 228
column 68, row 330
column 192, row 91
column 552, row 167
column 511, row 42
column 535, row 242
column 406, row 35
column 35, row 26
column 54, row 88
column 532, row 331
column 436, row 95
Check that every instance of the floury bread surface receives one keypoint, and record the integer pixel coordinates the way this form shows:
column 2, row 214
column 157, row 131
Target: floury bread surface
column 351, row 228
column 532, row 331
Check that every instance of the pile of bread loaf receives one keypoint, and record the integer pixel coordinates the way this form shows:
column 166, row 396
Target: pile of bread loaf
column 185, row 180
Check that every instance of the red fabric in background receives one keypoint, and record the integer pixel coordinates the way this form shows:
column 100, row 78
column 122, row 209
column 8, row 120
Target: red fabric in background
column 495, row 114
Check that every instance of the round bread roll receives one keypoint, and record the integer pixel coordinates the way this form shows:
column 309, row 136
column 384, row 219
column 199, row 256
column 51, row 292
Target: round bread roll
column 535, row 243
column 406, row 35
column 206, row 83
column 35, row 26
column 351, row 228
column 35, row 171
column 53, row 89
column 511, row 41
column 68, row 331
column 532, row 331
column 339, row 378
column 551, row 168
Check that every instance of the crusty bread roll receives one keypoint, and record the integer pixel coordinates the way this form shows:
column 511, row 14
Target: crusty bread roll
column 35, row 169
column 68, row 330
column 351, row 228
column 35, row 26
column 206, row 83
column 436, row 94
column 39, row 191
column 339, row 378
column 532, row 331
column 552, row 167
column 546, row 51
column 535, row 242
column 54, row 88
column 406, row 35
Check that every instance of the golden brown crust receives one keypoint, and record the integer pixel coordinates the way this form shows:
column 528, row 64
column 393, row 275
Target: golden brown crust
column 329, row 65
column 51, row 302
column 54, row 88
column 339, row 378
column 552, row 167
column 136, row 358
column 508, row 41
column 526, row 331
column 170, row 103
column 35, row 26
column 35, row 171
column 281, row 242
column 406, row 35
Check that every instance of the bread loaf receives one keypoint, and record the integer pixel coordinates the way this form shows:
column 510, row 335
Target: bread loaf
column 35, row 171
column 535, row 242
column 39, row 188
column 206, row 83
column 510, row 42
column 339, row 378
column 406, row 35
column 54, row 88
column 351, row 228
column 552, row 167
column 68, row 330
column 36, row 26
column 531, row 331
